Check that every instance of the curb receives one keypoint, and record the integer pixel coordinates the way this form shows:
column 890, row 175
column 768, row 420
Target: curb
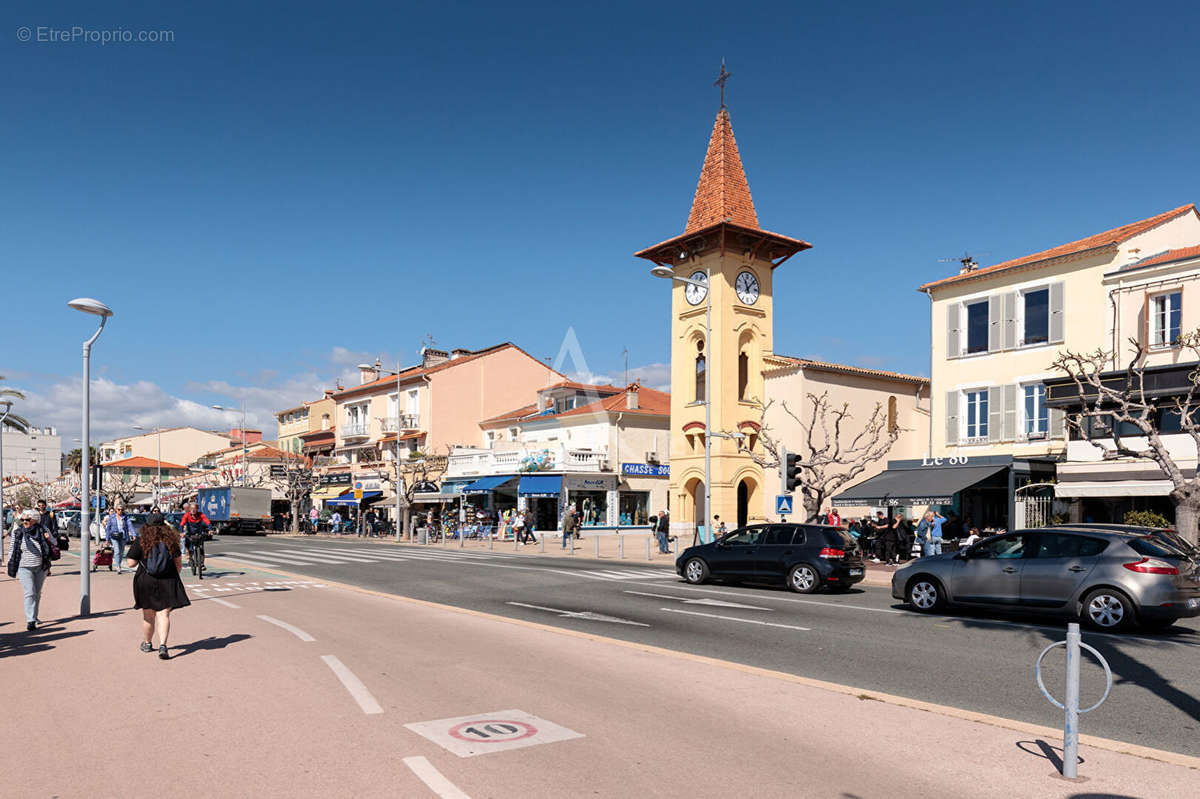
column 1107, row 744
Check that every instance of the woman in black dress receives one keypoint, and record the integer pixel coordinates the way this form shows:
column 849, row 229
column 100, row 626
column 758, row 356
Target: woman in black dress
column 156, row 596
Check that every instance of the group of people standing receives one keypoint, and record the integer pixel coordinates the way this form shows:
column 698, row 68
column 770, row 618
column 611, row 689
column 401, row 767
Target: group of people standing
column 890, row 540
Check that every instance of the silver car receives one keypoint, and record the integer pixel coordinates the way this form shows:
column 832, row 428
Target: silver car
column 1106, row 578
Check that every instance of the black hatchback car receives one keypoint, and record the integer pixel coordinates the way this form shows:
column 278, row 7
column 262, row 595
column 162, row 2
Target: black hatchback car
column 805, row 557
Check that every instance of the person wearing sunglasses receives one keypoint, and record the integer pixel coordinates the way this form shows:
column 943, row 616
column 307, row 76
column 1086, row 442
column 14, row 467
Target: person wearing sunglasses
column 29, row 562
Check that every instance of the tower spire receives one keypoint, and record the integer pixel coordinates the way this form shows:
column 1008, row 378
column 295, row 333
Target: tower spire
column 722, row 194
column 720, row 81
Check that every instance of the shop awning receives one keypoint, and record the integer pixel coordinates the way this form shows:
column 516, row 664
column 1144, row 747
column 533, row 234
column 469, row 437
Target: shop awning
column 328, row 492
column 486, row 485
column 1113, row 488
column 432, row 498
column 931, row 485
column 540, row 485
column 348, row 499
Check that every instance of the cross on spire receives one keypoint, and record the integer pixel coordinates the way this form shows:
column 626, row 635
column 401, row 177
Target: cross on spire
column 720, row 81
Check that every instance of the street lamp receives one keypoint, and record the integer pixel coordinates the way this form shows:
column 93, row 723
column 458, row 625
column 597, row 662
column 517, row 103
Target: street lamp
column 234, row 410
column 667, row 273
column 158, row 481
column 96, row 308
column 6, row 406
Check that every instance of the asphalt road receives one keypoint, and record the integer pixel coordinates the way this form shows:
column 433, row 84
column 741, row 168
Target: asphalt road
column 866, row 639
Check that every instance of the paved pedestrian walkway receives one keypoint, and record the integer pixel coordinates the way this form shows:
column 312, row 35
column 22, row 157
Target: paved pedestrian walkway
column 339, row 692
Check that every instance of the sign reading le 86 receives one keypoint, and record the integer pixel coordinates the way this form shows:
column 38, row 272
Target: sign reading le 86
column 953, row 460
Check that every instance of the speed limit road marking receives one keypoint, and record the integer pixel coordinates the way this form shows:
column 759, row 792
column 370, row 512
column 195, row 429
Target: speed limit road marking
column 482, row 733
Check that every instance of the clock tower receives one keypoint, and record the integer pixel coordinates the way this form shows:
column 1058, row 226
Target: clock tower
column 729, row 263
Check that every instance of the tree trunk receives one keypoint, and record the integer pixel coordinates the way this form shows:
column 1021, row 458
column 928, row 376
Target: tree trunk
column 1187, row 518
column 295, row 505
column 812, row 508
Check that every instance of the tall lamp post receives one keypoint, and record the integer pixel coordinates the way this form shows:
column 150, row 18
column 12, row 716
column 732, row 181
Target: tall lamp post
column 5, row 406
column 668, row 273
column 96, row 308
column 158, row 481
column 234, row 410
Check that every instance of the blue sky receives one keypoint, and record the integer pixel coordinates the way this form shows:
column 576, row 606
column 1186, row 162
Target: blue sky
column 289, row 188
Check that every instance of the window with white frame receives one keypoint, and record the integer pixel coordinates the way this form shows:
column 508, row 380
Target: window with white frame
column 1166, row 312
column 977, row 326
column 512, row 433
column 976, row 417
column 1035, row 313
column 1037, row 417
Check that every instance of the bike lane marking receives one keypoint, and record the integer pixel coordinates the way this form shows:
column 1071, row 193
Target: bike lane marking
column 222, row 602
column 291, row 628
column 485, row 733
column 433, row 778
column 353, row 685
column 735, row 618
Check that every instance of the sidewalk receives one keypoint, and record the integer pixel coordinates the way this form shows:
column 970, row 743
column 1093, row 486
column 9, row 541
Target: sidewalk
column 247, row 708
column 633, row 548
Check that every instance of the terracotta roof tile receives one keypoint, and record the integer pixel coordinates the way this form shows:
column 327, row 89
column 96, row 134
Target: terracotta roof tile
column 138, row 462
column 722, row 194
column 1181, row 254
column 784, row 361
column 1108, row 238
column 418, row 371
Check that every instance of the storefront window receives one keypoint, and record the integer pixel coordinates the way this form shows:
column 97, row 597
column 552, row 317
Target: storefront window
column 634, row 508
column 592, row 507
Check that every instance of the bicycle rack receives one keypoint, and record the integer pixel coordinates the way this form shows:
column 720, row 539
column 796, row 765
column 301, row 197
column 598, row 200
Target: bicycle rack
column 1070, row 761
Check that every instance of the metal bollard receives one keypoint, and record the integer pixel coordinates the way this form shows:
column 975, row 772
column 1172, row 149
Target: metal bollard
column 492, row 542
column 572, row 536
column 1070, row 767
column 647, row 547
column 620, row 546
column 516, row 542
column 462, row 539
column 675, row 546
column 596, row 539
column 543, row 539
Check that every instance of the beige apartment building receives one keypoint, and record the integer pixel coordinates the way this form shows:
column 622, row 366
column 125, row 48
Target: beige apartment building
column 298, row 425
column 173, row 444
column 994, row 333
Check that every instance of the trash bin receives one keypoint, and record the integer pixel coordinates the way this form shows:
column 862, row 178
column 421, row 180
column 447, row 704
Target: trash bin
column 423, row 535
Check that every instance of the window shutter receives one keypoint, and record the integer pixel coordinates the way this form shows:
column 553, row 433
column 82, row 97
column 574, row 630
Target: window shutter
column 1057, row 312
column 951, row 417
column 995, row 396
column 1058, row 423
column 953, row 332
column 1009, row 431
column 995, row 323
column 1010, row 320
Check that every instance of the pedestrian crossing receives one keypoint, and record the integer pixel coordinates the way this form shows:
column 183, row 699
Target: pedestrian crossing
column 301, row 555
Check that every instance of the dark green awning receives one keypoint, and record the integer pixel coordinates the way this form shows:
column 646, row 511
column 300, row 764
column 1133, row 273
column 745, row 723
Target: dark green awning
column 932, row 485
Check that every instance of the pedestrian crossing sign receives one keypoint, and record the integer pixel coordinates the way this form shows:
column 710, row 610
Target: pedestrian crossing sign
column 783, row 504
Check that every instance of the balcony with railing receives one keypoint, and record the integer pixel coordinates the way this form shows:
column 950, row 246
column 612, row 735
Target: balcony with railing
column 355, row 430
column 407, row 421
column 554, row 458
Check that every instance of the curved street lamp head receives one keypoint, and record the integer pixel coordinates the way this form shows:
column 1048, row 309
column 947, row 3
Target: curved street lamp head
column 663, row 271
column 89, row 305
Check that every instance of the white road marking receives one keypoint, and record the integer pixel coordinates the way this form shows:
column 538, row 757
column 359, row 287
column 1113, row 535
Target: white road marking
column 318, row 556
column 714, row 602
column 306, row 560
column 584, row 614
column 223, row 602
column 433, row 778
column 291, row 628
column 353, row 685
column 773, row 598
column 735, row 618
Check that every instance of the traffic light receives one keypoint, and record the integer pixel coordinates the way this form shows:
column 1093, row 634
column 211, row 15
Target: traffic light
column 791, row 472
column 97, row 477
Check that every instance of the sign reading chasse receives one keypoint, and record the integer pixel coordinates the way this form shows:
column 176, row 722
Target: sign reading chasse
column 646, row 469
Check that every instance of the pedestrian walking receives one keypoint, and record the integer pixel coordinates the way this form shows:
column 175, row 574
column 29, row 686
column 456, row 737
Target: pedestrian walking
column 50, row 523
column 372, row 520
column 833, row 518
column 529, row 524
column 662, row 529
column 118, row 529
column 32, row 549
column 904, row 538
column 335, row 523
column 570, row 523
column 157, row 589
column 313, row 516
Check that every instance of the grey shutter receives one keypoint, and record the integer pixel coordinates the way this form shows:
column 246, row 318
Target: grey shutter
column 953, row 332
column 1010, row 320
column 1009, row 431
column 1057, row 311
column 995, row 396
column 951, row 417
column 995, row 323
column 1058, row 423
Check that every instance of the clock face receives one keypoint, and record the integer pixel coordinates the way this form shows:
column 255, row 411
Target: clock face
column 747, row 287
column 696, row 294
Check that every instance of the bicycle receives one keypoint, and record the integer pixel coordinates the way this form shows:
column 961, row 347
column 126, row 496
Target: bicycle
column 196, row 558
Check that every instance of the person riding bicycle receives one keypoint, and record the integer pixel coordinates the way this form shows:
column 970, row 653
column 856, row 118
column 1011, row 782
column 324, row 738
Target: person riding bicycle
column 194, row 525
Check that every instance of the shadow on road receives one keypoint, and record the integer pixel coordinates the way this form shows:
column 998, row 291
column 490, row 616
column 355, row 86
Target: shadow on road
column 209, row 643
column 1040, row 748
column 30, row 642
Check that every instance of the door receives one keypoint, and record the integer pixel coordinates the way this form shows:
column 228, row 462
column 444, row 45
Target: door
column 736, row 555
column 990, row 573
column 1055, row 566
column 778, row 550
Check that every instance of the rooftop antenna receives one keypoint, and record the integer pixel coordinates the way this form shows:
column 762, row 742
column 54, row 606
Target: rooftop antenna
column 966, row 260
column 626, row 366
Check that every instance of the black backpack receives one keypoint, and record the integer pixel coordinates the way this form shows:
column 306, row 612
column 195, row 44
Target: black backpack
column 158, row 562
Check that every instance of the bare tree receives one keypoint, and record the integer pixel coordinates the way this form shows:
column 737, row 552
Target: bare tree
column 296, row 482
column 832, row 451
column 1112, row 402
column 119, row 488
column 411, row 473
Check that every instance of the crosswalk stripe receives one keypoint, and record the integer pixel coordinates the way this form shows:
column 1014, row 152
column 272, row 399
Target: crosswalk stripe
column 306, row 560
column 253, row 561
column 300, row 553
column 345, row 553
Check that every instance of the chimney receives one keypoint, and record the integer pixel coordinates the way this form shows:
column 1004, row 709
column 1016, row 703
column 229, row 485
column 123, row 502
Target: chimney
column 432, row 357
column 631, row 397
column 368, row 374
column 458, row 353
column 328, row 393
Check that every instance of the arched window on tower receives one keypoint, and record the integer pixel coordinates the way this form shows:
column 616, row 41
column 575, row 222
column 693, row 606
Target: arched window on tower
column 892, row 423
column 701, row 371
column 743, row 374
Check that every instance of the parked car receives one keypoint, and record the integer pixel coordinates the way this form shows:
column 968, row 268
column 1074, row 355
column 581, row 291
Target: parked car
column 1167, row 534
column 1106, row 578
column 805, row 557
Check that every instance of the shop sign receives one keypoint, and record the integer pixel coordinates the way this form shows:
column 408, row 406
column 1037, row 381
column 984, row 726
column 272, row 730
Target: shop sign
column 335, row 479
column 953, row 460
column 602, row 483
column 646, row 469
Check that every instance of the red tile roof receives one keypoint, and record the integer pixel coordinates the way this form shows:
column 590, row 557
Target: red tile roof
column 1181, row 254
column 722, row 193
column 1109, row 238
column 139, row 462
column 651, row 402
column 784, row 361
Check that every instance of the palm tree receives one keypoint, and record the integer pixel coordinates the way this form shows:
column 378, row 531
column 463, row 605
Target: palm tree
column 15, row 421
column 75, row 458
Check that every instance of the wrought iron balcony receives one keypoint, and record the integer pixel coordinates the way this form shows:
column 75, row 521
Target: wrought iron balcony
column 408, row 421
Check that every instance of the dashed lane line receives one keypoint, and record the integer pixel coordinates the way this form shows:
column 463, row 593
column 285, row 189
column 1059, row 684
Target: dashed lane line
column 223, row 602
column 433, row 778
column 735, row 618
column 291, row 628
column 353, row 685
column 764, row 596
